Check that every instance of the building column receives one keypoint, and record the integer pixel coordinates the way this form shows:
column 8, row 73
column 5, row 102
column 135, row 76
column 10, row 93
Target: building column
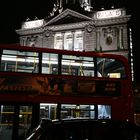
column 52, row 41
column 41, row 39
column 83, row 35
column 63, row 40
column 121, row 38
column 98, row 40
column 23, row 41
column 73, row 40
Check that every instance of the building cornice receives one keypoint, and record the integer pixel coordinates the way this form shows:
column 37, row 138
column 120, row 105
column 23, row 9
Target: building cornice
column 70, row 26
column 30, row 31
column 111, row 21
column 55, row 28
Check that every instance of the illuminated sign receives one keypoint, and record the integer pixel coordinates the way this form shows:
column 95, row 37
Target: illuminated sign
column 109, row 13
column 32, row 24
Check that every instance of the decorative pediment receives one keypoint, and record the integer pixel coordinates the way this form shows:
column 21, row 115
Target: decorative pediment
column 68, row 16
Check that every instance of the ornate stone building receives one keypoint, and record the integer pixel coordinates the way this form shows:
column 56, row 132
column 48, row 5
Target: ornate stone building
column 88, row 30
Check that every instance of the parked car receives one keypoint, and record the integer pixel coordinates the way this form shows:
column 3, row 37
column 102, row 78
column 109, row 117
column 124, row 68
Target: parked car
column 85, row 129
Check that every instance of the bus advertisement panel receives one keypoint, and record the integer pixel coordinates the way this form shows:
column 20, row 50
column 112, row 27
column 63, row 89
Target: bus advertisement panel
column 64, row 86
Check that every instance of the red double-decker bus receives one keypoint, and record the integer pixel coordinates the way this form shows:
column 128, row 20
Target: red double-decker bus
column 65, row 83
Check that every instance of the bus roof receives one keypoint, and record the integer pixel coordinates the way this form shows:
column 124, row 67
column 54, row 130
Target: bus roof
column 68, row 52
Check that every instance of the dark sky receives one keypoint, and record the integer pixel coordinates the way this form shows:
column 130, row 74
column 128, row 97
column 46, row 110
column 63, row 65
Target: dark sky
column 14, row 12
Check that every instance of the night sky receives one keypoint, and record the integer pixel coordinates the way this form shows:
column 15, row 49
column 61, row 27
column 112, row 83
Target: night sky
column 14, row 12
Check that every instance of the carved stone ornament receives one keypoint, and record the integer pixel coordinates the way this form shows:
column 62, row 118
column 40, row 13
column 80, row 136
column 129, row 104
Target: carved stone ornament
column 109, row 40
column 47, row 33
column 89, row 28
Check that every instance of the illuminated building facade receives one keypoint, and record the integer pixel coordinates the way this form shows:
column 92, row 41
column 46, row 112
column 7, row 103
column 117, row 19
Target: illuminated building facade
column 82, row 29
